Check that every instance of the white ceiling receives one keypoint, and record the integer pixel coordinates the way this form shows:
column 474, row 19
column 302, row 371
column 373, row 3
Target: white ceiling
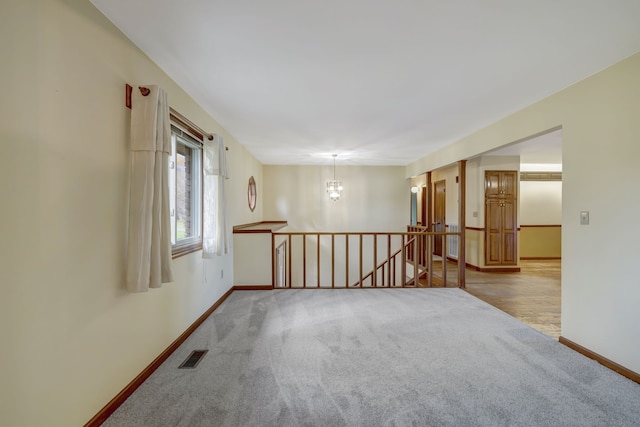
column 380, row 82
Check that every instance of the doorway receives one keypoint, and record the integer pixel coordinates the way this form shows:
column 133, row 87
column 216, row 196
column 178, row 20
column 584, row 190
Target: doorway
column 533, row 295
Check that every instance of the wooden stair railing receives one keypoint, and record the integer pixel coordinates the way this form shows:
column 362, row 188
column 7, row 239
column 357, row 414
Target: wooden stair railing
column 406, row 252
column 391, row 262
column 382, row 265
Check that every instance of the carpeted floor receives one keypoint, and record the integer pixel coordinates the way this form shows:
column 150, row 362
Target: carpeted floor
column 380, row 357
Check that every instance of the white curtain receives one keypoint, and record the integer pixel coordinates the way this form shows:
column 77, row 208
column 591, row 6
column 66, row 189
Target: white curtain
column 215, row 235
column 149, row 240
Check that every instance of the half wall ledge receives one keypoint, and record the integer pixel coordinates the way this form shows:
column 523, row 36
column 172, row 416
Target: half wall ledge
column 260, row 227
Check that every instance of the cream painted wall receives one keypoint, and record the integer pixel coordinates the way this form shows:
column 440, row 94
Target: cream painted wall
column 419, row 181
column 72, row 337
column 601, row 130
column 540, row 242
column 375, row 198
column 540, row 202
column 253, row 260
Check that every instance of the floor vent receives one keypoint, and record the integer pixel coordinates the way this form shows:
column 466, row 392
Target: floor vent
column 194, row 358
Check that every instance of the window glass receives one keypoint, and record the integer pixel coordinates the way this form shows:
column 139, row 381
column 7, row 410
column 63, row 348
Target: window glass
column 185, row 178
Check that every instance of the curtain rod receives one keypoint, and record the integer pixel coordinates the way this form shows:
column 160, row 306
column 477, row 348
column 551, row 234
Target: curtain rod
column 175, row 115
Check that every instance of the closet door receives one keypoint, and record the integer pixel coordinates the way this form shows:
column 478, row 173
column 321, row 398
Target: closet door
column 501, row 213
column 494, row 235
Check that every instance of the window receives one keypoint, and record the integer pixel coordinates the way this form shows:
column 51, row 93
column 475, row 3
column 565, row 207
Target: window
column 185, row 187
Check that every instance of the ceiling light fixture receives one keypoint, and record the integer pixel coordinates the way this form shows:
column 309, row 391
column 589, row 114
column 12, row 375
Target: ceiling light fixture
column 334, row 187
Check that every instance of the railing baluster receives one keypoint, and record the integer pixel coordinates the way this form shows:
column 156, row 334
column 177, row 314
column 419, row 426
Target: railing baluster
column 444, row 261
column 462, row 263
column 430, row 260
column 333, row 260
column 393, row 274
column 304, row 261
column 318, row 264
column 273, row 261
column 346, row 263
column 389, row 259
column 375, row 262
column 416, row 272
column 403, row 266
column 360, row 259
column 289, row 260
column 423, row 255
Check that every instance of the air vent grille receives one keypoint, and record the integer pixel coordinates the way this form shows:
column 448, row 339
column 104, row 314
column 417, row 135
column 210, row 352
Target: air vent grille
column 194, row 358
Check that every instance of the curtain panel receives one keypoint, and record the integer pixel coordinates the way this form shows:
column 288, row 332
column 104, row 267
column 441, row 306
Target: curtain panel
column 149, row 240
column 215, row 237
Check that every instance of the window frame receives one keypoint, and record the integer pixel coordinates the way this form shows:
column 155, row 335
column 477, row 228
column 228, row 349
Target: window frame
column 193, row 140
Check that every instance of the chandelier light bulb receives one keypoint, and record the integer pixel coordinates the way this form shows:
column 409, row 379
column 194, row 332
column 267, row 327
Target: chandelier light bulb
column 334, row 187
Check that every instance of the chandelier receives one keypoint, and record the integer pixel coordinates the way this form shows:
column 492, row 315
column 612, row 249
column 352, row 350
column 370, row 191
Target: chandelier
column 334, row 187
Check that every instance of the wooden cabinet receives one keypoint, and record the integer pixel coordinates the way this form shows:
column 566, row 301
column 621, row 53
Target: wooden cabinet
column 501, row 213
column 501, row 184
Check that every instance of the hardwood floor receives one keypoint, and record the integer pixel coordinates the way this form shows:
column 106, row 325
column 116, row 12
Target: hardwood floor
column 532, row 296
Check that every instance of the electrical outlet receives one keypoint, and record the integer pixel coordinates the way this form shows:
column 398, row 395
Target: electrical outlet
column 475, row 214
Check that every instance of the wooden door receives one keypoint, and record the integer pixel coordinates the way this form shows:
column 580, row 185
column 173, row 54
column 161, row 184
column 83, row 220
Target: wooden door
column 501, row 213
column 423, row 207
column 493, row 227
column 440, row 208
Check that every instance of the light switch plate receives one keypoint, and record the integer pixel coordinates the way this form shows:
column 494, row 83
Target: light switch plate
column 584, row 218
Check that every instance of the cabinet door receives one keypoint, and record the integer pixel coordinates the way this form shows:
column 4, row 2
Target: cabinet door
column 492, row 184
column 501, row 232
column 494, row 236
column 500, row 184
column 508, row 184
